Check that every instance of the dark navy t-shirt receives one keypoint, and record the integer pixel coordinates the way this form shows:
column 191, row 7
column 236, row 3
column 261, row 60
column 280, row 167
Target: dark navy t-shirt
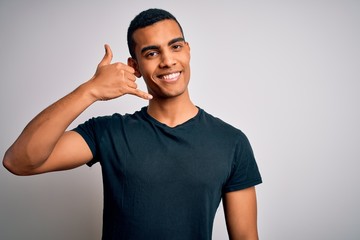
column 162, row 182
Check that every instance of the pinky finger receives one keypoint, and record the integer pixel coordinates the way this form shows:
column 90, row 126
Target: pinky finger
column 141, row 94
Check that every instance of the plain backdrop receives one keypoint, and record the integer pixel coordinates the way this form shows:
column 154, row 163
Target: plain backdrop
column 287, row 73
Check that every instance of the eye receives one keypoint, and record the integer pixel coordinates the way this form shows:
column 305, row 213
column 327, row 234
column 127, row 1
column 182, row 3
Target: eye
column 176, row 47
column 151, row 54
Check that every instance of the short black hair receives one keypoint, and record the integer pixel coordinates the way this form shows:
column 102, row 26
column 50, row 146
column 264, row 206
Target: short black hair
column 144, row 19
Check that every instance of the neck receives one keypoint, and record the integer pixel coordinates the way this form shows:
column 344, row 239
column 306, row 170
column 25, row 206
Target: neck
column 172, row 111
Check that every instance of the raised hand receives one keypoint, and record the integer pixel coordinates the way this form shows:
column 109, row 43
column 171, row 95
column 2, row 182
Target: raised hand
column 112, row 80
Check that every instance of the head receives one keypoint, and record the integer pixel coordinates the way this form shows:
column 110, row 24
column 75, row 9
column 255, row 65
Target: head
column 159, row 53
column 144, row 19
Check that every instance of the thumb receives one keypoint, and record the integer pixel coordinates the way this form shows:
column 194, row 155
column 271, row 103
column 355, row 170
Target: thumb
column 107, row 57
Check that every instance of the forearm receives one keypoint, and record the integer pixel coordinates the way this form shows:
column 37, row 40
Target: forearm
column 38, row 139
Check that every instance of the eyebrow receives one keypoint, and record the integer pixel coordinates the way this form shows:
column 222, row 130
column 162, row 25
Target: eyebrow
column 155, row 47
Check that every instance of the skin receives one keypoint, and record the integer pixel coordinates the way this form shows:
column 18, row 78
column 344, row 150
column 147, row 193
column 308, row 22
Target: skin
column 163, row 60
column 161, row 50
column 240, row 210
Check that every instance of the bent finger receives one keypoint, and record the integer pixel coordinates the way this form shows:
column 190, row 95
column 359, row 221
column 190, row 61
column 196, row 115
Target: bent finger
column 124, row 67
column 130, row 76
column 132, row 84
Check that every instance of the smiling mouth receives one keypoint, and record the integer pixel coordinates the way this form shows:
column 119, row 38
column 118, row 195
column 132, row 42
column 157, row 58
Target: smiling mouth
column 170, row 77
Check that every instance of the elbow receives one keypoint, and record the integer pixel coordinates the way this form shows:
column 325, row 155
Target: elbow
column 8, row 166
column 9, row 163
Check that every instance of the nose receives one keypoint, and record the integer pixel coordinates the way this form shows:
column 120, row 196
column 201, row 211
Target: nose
column 167, row 59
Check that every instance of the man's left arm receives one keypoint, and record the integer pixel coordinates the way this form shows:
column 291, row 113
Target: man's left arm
column 241, row 214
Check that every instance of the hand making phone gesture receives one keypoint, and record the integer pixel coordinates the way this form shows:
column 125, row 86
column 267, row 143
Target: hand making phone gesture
column 45, row 145
column 113, row 80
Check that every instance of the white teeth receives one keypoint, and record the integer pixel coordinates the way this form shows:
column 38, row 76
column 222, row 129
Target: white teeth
column 171, row 76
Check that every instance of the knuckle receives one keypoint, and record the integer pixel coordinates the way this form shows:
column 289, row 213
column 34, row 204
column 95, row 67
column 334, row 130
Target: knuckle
column 118, row 65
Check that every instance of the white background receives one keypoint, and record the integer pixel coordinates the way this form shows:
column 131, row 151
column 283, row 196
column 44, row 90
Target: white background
column 285, row 72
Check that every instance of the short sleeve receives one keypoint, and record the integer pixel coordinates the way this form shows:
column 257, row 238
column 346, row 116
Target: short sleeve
column 88, row 132
column 245, row 172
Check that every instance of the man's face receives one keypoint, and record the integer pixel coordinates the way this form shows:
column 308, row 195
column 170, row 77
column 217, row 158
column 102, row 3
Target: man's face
column 163, row 59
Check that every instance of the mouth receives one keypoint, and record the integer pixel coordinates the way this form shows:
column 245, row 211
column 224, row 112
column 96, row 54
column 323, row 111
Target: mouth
column 171, row 77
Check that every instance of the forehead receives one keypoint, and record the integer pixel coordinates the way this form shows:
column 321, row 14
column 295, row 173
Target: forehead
column 158, row 34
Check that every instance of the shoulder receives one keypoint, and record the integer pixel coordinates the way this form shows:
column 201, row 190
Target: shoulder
column 220, row 126
column 108, row 123
column 115, row 118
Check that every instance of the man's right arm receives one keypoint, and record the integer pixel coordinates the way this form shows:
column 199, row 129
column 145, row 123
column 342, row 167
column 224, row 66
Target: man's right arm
column 45, row 145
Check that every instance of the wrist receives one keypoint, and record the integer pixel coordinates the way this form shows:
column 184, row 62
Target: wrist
column 88, row 93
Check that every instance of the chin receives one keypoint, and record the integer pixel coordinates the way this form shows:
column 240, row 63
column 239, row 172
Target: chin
column 171, row 94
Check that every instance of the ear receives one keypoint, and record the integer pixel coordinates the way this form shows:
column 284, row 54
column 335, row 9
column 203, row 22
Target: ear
column 187, row 43
column 133, row 63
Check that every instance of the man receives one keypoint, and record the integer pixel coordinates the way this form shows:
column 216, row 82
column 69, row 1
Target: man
column 166, row 167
